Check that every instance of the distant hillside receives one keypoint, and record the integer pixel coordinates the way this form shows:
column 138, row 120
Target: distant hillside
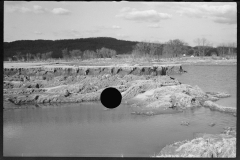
column 56, row 46
column 120, row 46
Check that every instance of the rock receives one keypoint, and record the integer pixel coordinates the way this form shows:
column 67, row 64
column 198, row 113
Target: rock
column 185, row 123
column 212, row 124
column 31, row 85
column 212, row 98
column 229, row 131
column 175, row 96
column 66, row 93
column 19, row 100
column 219, row 94
column 44, row 99
column 106, row 76
column 181, row 100
column 218, row 107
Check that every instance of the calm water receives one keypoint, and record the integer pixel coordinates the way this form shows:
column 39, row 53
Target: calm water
column 90, row 130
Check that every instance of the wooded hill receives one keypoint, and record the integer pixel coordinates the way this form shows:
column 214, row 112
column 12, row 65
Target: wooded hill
column 101, row 47
column 56, row 46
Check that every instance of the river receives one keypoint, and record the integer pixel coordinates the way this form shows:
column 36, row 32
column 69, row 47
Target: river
column 88, row 129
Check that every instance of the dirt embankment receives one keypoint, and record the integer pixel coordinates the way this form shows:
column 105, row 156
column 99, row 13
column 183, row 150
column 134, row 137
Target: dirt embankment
column 50, row 71
column 149, row 88
column 51, row 83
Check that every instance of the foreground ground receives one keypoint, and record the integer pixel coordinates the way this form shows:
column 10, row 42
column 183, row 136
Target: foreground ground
column 147, row 87
column 205, row 145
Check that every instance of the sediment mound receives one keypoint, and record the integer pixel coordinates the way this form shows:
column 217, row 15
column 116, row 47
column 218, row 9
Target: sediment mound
column 146, row 86
column 206, row 145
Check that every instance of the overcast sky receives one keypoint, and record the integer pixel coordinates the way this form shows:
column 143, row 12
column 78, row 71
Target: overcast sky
column 140, row 21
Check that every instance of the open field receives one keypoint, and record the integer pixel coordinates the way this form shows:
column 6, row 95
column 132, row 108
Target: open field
column 124, row 61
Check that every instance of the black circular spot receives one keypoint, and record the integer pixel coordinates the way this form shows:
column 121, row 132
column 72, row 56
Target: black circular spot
column 111, row 97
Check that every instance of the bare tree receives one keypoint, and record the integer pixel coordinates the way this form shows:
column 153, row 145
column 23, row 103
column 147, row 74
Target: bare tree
column 18, row 56
column 202, row 45
column 88, row 54
column 227, row 49
column 9, row 59
column 222, row 49
column 141, row 49
column 37, row 56
column 76, row 53
column 43, row 56
column 48, row 54
column 175, row 48
column 28, row 56
column 231, row 48
column 65, row 54
column 105, row 53
column 147, row 49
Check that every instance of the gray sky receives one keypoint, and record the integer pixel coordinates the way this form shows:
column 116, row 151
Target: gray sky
column 138, row 21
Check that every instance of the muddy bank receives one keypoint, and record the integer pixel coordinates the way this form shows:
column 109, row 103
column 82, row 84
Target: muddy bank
column 149, row 89
column 71, row 88
column 148, row 94
column 52, row 70
column 204, row 145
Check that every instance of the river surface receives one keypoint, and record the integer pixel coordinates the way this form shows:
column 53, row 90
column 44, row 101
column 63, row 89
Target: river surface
column 88, row 129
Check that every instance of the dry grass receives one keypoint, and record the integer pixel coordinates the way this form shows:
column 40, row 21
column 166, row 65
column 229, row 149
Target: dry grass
column 130, row 59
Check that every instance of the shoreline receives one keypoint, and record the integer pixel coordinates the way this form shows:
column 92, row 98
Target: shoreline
column 126, row 62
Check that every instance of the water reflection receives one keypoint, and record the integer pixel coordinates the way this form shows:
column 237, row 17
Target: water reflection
column 12, row 131
column 69, row 113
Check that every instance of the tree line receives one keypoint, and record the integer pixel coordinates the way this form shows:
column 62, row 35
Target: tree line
column 179, row 48
column 56, row 46
column 66, row 54
column 172, row 48
column 88, row 54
